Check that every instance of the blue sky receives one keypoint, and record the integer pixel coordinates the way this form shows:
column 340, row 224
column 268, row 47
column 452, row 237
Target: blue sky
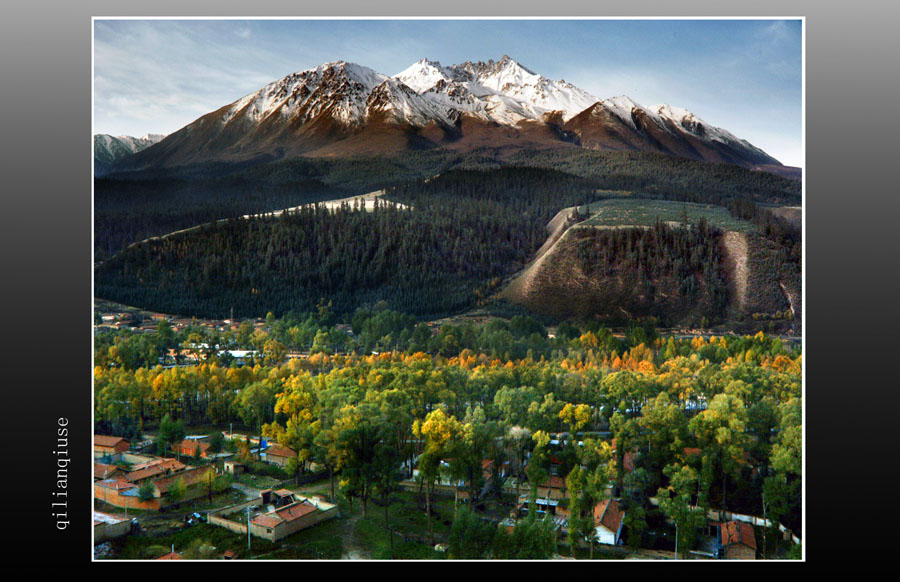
column 155, row 76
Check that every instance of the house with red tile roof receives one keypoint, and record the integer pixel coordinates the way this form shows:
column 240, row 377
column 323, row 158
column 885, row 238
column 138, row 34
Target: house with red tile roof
column 279, row 455
column 291, row 518
column 270, row 521
column 102, row 471
column 189, row 447
column 120, row 492
column 108, row 446
column 153, row 469
column 609, row 518
column 627, row 457
column 553, row 488
column 550, row 498
column 736, row 540
column 491, row 470
column 193, row 479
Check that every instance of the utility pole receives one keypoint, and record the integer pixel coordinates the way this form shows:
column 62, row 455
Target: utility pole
column 248, row 530
column 676, row 539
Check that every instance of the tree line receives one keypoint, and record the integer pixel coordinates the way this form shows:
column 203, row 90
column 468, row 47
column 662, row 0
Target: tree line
column 710, row 423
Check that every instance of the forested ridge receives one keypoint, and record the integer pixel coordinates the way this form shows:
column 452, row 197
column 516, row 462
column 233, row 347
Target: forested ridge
column 466, row 231
column 671, row 270
column 133, row 206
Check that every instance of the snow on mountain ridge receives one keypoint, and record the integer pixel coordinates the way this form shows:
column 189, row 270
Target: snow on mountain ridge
column 345, row 97
column 343, row 86
column 503, row 91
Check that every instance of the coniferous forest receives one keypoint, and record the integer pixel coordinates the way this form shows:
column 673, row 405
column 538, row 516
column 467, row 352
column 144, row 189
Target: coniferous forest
column 460, row 234
column 133, row 206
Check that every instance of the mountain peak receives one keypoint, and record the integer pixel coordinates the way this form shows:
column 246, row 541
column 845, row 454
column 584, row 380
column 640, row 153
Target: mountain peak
column 340, row 99
column 422, row 75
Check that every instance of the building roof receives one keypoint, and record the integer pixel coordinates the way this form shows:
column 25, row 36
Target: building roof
column 267, row 520
column 737, row 532
column 288, row 513
column 609, row 514
column 100, row 517
column 296, row 510
column 168, row 463
column 284, row 492
column 192, row 445
column 171, row 556
column 102, row 471
column 627, row 457
column 280, row 451
column 153, row 470
column 628, row 461
column 554, row 482
column 102, row 440
column 190, row 476
column 117, row 484
column 689, row 451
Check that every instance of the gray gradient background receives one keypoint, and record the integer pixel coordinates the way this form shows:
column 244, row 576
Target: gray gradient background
column 851, row 139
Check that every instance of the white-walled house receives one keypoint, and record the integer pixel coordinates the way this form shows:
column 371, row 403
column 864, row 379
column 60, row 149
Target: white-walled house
column 609, row 518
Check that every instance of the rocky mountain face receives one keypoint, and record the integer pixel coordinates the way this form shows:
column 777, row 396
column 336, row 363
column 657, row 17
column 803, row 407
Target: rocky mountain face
column 343, row 109
column 108, row 149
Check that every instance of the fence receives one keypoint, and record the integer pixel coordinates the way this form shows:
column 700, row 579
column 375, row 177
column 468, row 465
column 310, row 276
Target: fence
column 303, row 479
column 723, row 515
column 217, row 517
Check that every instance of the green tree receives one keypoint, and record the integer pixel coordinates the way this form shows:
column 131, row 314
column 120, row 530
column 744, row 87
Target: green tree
column 720, row 429
column 177, row 491
column 359, row 437
column 439, row 431
column 170, row 434
column 471, row 537
column 675, row 501
column 255, row 404
column 530, row 539
column 146, row 491
column 216, row 442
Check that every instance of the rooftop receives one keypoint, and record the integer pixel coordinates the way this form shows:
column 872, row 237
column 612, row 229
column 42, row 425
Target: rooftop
column 101, row 440
column 737, row 532
column 102, row 471
column 190, row 476
column 100, row 517
column 280, row 451
column 609, row 514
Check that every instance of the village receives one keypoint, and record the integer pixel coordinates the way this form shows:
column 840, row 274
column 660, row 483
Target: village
column 203, row 499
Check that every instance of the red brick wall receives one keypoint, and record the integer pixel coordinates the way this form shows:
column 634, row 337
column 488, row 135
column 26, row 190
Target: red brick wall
column 113, row 497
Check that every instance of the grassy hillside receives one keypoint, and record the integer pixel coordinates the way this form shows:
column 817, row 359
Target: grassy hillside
column 640, row 212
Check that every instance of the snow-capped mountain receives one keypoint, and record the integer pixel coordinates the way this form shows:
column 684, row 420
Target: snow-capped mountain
column 108, row 148
column 502, row 91
column 342, row 108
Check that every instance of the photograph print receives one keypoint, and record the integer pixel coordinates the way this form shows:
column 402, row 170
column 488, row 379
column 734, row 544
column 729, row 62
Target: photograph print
column 448, row 289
